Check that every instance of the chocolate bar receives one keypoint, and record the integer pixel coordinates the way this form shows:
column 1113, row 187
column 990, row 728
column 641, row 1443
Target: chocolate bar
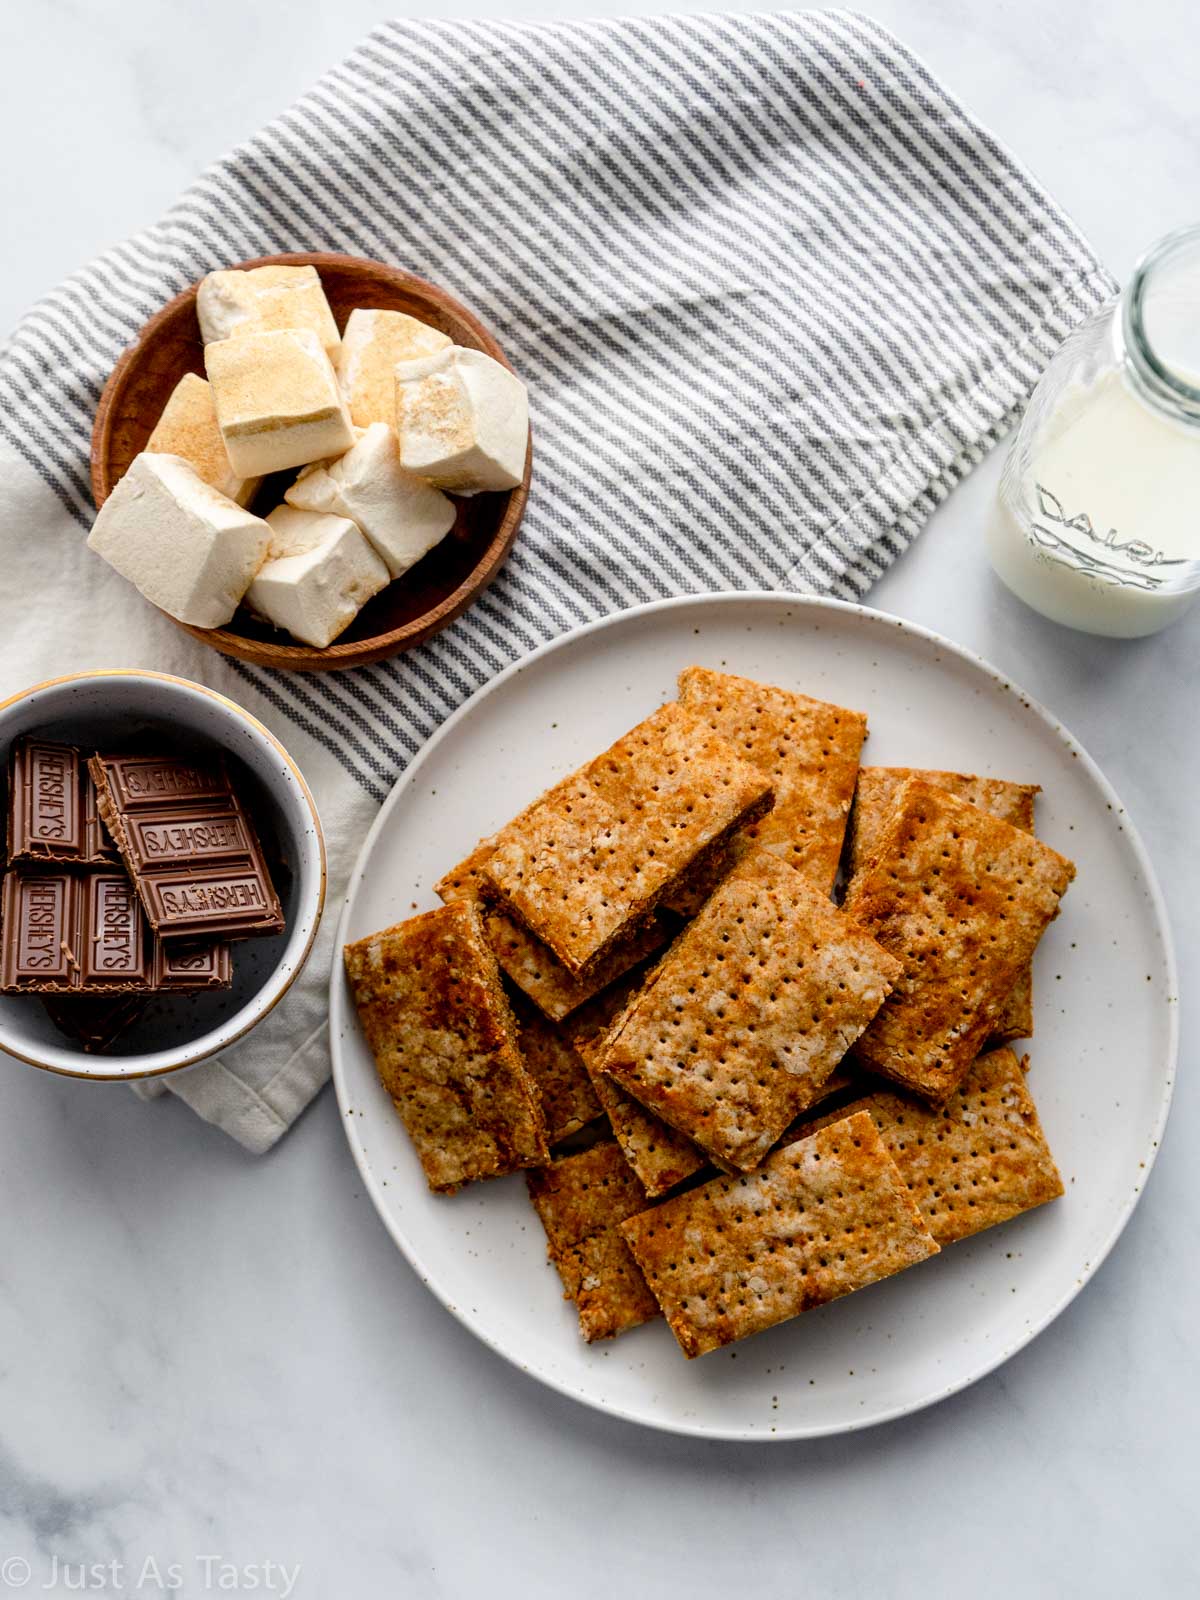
column 188, row 845
column 94, row 1021
column 52, row 814
column 66, row 932
column 188, row 967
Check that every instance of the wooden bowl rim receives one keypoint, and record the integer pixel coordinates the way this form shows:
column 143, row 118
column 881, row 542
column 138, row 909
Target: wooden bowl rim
column 359, row 652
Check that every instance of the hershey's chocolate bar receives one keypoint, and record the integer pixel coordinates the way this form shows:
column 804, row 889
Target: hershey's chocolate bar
column 95, row 1021
column 52, row 813
column 69, row 932
column 187, row 967
column 138, row 782
column 188, row 845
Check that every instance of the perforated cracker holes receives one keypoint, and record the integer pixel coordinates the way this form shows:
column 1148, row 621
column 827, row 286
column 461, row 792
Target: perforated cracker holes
column 581, row 1200
column 429, row 998
column 808, row 748
column 593, row 860
column 961, row 899
column 749, row 1012
column 875, row 800
column 823, row 1217
column 980, row 1160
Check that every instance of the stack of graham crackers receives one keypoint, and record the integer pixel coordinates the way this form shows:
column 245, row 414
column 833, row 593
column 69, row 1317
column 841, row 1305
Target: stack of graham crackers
column 734, row 1098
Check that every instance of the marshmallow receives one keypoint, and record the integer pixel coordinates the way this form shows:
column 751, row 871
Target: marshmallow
column 188, row 548
column 319, row 575
column 402, row 516
column 462, row 420
column 278, row 401
column 264, row 300
column 372, row 343
column 188, row 428
column 293, row 532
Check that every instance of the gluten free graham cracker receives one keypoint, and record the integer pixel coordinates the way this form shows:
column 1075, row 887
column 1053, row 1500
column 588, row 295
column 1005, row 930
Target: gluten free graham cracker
column 581, row 1200
column 961, row 899
column 568, row 1100
column 809, row 750
column 435, row 1015
column 837, row 1089
column 874, row 802
column 821, row 1218
column 749, row 1012
column 466, row 881
column 879, row 788
column 660, row 1157
column 590, row 862
column 979, row 1160
column 534, row 968
column 531, row 965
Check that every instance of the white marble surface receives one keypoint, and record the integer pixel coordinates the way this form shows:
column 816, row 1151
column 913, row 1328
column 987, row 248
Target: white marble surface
column 203, row 1355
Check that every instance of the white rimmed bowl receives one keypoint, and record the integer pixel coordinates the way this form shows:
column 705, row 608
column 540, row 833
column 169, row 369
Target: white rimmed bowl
column 152, row 710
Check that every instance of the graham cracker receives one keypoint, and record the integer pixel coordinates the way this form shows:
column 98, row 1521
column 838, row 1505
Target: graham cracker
column 1011, row 802
column 568, row 1100
column 979, row 1160
column 879, row 788
column 534, row 968
column 821, row 1218
column 1014, row 1019
column 590, row 862
column 581, row 1200
column 466, row 881
column 835, row 1092
column 749, row 1012
column 435, row 1015
column 808, row 748
column 961, row 899
column 531, row 965
column 660, row 1157
column 702, row 877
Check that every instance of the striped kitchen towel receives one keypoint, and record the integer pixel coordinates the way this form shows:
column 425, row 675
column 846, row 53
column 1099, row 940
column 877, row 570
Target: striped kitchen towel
column 772, row 289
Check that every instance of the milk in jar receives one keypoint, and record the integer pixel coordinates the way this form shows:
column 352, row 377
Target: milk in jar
column 1097, row 522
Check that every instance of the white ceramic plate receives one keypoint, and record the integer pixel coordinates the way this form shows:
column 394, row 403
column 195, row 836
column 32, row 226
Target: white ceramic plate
column 1105, row 1007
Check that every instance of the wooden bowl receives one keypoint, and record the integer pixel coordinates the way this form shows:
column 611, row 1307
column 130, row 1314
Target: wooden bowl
column 439, row 588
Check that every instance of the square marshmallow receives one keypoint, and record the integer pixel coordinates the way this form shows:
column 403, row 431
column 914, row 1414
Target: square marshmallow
column 264, row 300
column 372, row 343
column 188, row 428
column 402, row 516
column 462, row 421
column 278, row 401
column 188, row 548
column 319, row 575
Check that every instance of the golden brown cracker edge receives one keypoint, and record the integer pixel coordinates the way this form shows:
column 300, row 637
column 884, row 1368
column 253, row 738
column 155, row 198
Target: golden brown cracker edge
column 434, row 1013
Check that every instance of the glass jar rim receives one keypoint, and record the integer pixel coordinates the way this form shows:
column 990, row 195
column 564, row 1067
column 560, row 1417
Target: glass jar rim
column 1163, row 383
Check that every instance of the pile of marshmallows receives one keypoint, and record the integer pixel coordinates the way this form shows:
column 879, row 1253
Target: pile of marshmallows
column 382, row 420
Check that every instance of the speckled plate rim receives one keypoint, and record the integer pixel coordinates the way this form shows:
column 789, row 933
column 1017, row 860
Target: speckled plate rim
column 341, row 1014
column 152, row 1065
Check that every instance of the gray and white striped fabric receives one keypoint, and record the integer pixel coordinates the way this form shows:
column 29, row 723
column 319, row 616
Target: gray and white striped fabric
column 773, row 291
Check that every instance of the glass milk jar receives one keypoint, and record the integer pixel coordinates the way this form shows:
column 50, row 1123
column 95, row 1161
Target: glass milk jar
column 1097, row 522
